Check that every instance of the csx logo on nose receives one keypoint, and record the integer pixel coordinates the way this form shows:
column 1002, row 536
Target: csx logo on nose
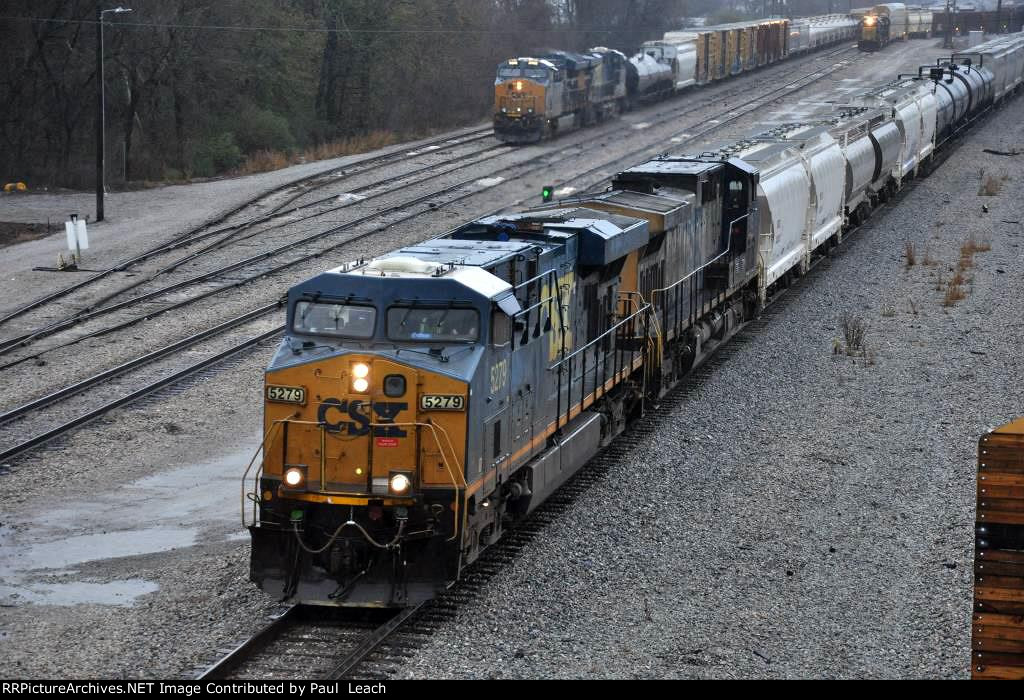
column 385, row 412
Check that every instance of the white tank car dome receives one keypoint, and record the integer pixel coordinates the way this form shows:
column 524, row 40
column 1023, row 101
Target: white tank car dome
column 401, row 263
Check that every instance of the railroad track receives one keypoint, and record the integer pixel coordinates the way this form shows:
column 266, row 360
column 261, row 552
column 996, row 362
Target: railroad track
column 53, row 416
column 335, row 644
column 312, row 642
column 383, row 659
column 102, row 307
column 230, row 236
column 57, row 413
column 207, row 230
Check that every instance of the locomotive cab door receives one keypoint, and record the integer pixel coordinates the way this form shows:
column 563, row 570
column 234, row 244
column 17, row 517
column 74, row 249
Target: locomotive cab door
column 739, row 216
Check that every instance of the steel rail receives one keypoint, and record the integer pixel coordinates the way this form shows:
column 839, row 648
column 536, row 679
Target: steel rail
column 79, row 387
column 168, row 380
column 252, row 646
column 10, row 344
column 193, row 235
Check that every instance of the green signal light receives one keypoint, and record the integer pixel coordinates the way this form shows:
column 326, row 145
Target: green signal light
column 547, row 193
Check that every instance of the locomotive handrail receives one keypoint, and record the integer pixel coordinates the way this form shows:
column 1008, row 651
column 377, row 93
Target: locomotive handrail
column 552, row 273
column 619, row 368
column 262, row 448
column 728, row 249
column 457, row 482
column 629, row 296
column 574, row 353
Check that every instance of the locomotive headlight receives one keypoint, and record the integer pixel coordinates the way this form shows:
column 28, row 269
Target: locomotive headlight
column 293, row 477
column 360, row 372
column 399, row 484
column 519, row 86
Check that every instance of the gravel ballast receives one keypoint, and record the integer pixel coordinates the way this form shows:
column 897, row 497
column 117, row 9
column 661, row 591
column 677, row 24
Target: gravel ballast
column 707, row 554
column 805, row 514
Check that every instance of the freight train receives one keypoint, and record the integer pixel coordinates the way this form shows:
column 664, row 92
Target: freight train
column 540, row 96
column 892, row 22
column 425, row 401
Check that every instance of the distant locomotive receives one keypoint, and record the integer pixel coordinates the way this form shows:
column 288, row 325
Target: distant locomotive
column 875, row 33
column 425, row 401
column 892, row 21
column 539, row 97
column 535, row 98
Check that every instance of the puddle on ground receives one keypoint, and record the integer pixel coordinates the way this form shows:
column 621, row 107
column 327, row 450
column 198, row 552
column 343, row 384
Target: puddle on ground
column 121, row 593
column 155, row 514
column 67, row 552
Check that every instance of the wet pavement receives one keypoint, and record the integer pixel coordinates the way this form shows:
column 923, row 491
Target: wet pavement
column 47, row 556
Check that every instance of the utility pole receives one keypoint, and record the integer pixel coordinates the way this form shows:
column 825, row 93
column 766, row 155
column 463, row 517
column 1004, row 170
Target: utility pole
column 101, row 110
column 999, row 17
column 948, row 43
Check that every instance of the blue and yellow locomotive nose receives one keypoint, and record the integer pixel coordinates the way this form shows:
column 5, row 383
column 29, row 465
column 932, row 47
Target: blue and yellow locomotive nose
column 357, row 427
column 359, row 497
column 521, row 99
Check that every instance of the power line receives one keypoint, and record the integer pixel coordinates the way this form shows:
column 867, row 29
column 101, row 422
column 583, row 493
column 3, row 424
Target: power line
column 325, row 30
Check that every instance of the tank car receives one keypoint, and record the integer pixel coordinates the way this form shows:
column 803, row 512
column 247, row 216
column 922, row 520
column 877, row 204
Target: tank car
column 666, row 65
column 896, row 13
column 423, row 402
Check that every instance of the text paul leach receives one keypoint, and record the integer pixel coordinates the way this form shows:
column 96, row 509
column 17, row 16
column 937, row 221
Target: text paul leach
column 292, row 689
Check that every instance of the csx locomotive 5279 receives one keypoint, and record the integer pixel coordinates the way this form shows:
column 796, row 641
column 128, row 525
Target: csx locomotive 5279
column 424, row 401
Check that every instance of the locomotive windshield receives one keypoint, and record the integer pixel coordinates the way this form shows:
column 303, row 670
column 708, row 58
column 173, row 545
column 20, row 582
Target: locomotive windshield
column 342, row 320
column 411, row 323
column 509, row 72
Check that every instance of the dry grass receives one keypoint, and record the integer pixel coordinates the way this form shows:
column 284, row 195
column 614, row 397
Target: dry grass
column 855, row 331
column 889, row 311
column 265, row 161
column 356, row 144
column 990, row 186
column 954, row 293
column 909, row 253
column 913, row 307
column 968, row 249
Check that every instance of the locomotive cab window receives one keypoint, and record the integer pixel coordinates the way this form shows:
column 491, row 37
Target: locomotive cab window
column 341, row 320
column 510, row 73
column 429, row 325
column 539, row 75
